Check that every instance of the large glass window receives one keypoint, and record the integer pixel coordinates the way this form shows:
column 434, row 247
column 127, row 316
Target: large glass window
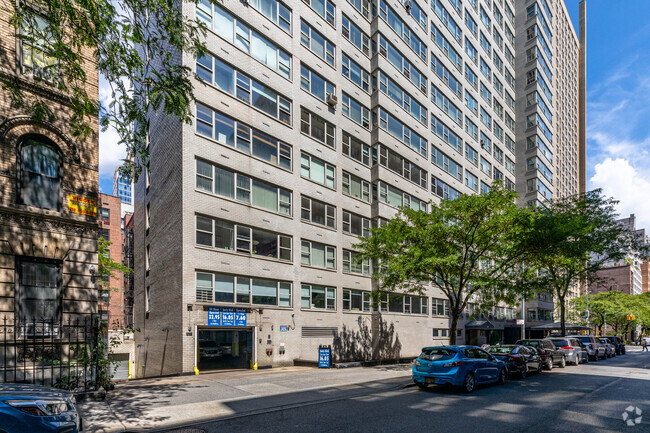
column 317, row 43
column 356, row 187
column 317, row 170
column 325, row 8
column 356, row 300
column 446, row 76
column 317, row 212
column 402, row 64
column 446, row 19
column 356, row 149
column 319, row 297
column 317, row 127
column 403, row 133
column 315, row 84
column 447, row 164
column 355, row 73
column 402, row 166
column 317, row 254
column 353, row 263
column 403, row 31
column 442, row 189
column 212, row 287
column 355, row 224
column 354, row 34
column 235, row 134
column 226, row 183
column 39, row 170
column 395, row 197
column 223, row 234
column 246, row 89
column 36, row 46
column 240, row 34
column 390, row 88
column 38, row 295
column 356, row 111
column 446, row 47
column 446, row 134
column 441, row 100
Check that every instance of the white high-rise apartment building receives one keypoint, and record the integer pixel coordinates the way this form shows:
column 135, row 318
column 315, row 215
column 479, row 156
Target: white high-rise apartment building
column 314, row 121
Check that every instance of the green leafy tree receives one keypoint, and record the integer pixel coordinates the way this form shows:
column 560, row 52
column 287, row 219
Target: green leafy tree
column 571, row 238
column 466, row 247
column 613, row 308
column 136, row 45
column 107, row 266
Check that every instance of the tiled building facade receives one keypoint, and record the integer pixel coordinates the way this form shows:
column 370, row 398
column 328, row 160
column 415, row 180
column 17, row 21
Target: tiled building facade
column 48, row 203
column 315, row 121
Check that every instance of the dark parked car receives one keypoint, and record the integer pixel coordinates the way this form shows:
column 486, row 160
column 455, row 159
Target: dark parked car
column 616, row 341
column 595, row 348
column 462, row 366
column 570, row 347
column 519, row 360
column 37, row 409
column 547, row 351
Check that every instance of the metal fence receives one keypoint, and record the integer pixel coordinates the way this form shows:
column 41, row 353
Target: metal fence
column 62, row 354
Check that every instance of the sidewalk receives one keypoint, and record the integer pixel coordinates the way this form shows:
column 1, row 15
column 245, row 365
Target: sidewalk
column 158, row 403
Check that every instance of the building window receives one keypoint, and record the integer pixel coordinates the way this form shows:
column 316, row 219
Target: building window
column 355, row 225
column 317, row 170
column 147, row 299
column 242, row 290
column 317, row 43
column 316, row 254
column 356, row 187
column 242, row 188
column 317, row 212
column 440, row 332
column 38, row 294
column 104, row 233
column 325, row 8
column 147, row 259
column 439, row 307
column 315, row 84
column 356, row 149
column 319, row 297
column 36, row 47
column 234, row 237
column 353, row 263
column 356, row 300
column 39, row 175
column 317, row 128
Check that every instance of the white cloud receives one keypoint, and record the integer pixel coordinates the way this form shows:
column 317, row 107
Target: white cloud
column 111, row 153
column 619, row 179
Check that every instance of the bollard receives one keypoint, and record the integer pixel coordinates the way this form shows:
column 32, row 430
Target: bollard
column 196, row 370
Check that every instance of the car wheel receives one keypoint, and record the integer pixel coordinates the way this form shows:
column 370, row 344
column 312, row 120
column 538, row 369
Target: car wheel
column 563, row 362
column 469, row 383
column 422, row 385
column 503, row 377
column 540, row 368
column 549, row 364
column 524, row 372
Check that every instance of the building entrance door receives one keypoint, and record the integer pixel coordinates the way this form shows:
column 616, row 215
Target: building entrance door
column 220, row 349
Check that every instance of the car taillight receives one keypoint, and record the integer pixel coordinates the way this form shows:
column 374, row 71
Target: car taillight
column 567, row 347
column 543, row 352
column 453, row 364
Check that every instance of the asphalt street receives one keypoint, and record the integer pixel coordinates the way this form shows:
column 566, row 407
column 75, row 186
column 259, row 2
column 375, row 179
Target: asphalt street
column 587, row 398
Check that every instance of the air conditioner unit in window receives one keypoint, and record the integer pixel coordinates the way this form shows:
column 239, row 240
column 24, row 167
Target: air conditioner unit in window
column 332, row 100
column 408, row 5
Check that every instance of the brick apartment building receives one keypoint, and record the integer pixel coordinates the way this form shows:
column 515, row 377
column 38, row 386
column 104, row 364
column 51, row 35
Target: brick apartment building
column 315, row 121
column 111, row 294
column 48, row 205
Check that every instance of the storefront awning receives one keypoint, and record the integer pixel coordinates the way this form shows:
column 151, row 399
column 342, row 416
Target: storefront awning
column 558, row 326
column 479, row 324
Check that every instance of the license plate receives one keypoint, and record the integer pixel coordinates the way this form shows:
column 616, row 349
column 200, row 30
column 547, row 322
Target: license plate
column 429, row 380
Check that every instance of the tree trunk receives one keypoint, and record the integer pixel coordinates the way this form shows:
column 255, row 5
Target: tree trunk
column 453, row 327
column 562, row 316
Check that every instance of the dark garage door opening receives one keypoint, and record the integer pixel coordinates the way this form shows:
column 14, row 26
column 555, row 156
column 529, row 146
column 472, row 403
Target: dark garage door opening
column 225, row 349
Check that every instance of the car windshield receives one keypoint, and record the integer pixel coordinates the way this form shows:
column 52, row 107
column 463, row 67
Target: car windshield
column 531, row 343
column 584, row 339
column 436, row 353
column 561, row 343
column 500, row 349
column 208, row 343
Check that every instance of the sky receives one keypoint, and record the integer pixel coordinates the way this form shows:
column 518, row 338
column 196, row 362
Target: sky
column 618, row 106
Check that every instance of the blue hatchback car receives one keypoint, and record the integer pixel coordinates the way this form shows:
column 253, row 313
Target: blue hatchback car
column 462, row 366
column 37, row 409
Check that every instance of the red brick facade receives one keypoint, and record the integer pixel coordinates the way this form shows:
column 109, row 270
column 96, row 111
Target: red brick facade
column 109, row 215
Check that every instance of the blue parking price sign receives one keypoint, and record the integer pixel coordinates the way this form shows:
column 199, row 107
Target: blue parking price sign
column 324, row 357
column 240, row 317
column 227, row 316
column 214, row 316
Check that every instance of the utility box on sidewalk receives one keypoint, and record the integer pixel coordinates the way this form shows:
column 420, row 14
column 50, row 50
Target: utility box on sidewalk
column 324, row 356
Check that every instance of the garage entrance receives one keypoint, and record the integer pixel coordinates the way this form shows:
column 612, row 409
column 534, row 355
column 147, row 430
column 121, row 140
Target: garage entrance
column 224, row 349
